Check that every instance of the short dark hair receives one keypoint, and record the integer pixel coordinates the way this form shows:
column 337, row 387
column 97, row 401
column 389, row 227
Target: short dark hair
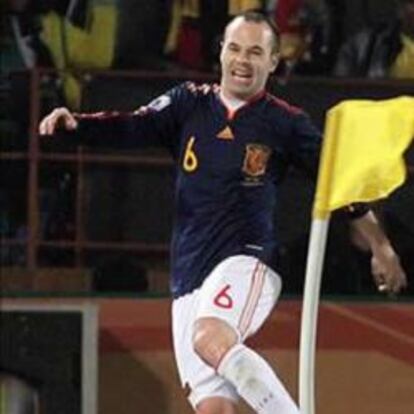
column 257, row 16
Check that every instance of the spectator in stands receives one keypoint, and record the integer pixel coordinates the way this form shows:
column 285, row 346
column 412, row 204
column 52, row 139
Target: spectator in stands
column 183, row 42
column 307, row 35
column 196, row 27
column 386, row 50
column 21, row 45
column 65, row 35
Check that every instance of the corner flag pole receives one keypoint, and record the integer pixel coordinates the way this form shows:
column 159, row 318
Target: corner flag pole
column 382, row 131
column 316, row 255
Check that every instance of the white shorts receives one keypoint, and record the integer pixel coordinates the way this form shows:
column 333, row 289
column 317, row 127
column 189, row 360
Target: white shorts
column 242, row 291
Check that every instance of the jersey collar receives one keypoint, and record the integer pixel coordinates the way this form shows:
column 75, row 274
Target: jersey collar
column 231, row 112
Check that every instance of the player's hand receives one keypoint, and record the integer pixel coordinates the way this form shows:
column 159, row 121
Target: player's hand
column 58, row 118
column 386, row 269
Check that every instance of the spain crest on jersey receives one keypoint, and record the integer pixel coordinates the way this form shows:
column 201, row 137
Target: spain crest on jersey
column 255, row 159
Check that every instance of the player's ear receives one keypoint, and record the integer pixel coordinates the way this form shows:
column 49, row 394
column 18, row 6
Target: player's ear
column 275, row 58
column 221, row 50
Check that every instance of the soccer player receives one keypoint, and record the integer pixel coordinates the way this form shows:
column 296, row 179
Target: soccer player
column 231, row 144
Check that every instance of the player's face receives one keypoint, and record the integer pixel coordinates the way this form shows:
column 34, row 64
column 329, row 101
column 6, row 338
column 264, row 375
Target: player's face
column 247, row 58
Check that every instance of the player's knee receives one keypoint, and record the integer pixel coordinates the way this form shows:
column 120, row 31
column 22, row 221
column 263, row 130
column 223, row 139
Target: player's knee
column 212, row 338
column 216, row 405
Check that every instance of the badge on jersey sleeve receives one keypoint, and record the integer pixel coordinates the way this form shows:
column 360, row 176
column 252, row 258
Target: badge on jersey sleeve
column 255, row 159
column 158, row 104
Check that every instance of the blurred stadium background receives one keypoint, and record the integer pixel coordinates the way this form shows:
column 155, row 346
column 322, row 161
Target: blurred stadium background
column 80, row 226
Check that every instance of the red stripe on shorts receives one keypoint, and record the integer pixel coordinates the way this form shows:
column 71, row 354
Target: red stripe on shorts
column 252, row 298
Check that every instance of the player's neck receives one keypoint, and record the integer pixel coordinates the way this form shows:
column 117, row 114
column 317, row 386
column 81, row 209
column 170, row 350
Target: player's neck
column 232, row 103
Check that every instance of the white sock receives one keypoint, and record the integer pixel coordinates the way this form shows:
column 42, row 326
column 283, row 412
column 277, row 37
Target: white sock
column 256, row 382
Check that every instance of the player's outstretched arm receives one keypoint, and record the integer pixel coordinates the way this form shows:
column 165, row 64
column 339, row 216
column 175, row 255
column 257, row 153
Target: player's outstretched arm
column 59, row 117
column 386, row 268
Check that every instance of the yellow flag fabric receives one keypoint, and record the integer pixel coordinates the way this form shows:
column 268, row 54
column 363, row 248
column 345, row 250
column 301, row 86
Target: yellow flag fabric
column 362, row 154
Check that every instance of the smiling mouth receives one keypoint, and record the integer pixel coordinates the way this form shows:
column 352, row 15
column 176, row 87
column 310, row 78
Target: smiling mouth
column 241, row 76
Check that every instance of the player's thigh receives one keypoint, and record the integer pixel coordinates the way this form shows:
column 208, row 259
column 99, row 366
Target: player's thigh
column 196, row 376
column 241, row 291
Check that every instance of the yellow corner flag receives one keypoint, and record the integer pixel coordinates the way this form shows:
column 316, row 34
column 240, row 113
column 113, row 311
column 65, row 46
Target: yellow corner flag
column 362, row 152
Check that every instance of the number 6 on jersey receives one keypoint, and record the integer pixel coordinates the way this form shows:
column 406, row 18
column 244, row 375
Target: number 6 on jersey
column 190, row 162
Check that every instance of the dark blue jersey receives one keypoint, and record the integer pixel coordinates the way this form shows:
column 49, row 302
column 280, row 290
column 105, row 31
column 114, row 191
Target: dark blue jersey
column 229, row 165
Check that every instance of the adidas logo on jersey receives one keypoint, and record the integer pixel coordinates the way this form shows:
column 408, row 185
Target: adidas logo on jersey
column 226, row 133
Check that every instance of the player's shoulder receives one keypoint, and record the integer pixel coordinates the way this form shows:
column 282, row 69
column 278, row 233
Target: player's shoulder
column 189, row 93
column 199, row 89
column 187, row 96
column 280, row 105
